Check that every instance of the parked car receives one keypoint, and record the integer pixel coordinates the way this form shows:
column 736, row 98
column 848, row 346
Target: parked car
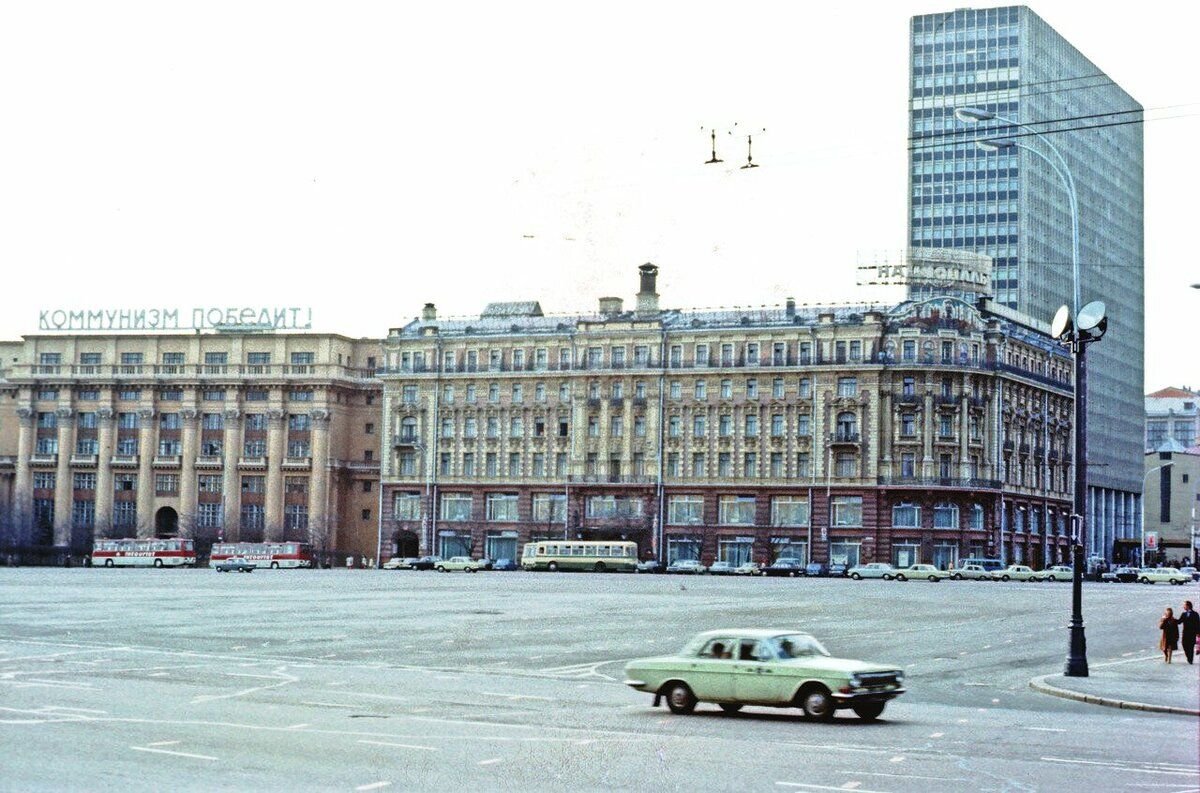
column 505, row 564
column 816, row 569
column 785, row 566
column 234, row 564
column 692, row 566
column 776, row 668
column 748, row 568
column 971, row 572
column 1015, row 572
column 400, row 563
column 463, row 563
column 837, row 570
column 919, row 572
column 1193, row 572
column 873, row 570
column 1059, row 572
column 1120, row 575
column 426, row 563
column 649, row 566
column 486, row 564
column 721, row 567
column 1154, row 575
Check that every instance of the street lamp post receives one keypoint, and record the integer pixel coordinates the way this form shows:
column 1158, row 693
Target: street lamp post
column 1145, row 479
column 1078, row 337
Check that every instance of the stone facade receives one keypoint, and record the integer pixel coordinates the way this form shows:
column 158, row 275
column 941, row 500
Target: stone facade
column 244, row 436
column 926, row 431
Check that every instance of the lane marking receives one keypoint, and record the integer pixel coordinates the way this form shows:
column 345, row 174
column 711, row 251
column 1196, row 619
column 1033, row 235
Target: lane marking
column 173, row 754
column 373, row 786
column 515, row 696
column 823, row 787
column 489, row 762
column 912, row 776
column 401, row 745
column 329, row 705
column 1121, row 767
column 297, row 726
column 164, row 743
column 76, row 710
column 852, row 785
column 937, row 735
column 1046, row 729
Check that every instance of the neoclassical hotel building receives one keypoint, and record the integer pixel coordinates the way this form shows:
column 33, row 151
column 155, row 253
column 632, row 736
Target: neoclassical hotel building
column 927, row 431
column 224, row 435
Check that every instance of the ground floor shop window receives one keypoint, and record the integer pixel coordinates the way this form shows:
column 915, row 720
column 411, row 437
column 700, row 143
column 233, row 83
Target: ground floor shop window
column 736, row 552
column 945, row 556
column 500, row 546
column 682, row 548
column 454, row 545
column 906, row 554
column 788, row 548
column 844, row 553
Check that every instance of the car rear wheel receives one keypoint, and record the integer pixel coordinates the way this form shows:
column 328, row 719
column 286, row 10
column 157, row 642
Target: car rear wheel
column 901, row 577
column 441, row 569
column 868, row 711
column 933, row 578
column 730, row 707
column 856, row 576
column 552, row 567
column 1145, row 580
column 956, row 577
column 887, row 578
column 1003, row 578
column 817, row 703
column 680, row 699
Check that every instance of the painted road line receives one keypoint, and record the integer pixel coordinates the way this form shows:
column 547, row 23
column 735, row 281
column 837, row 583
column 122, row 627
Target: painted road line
column 73, row 710
column 373, row 786
column 1046, row 729
column 173, row 754
column 911, row 776
column 825, row 787
column 165, row 743
column 401, row 745
column 490, row 761
column 329, row 705
column 298, row 726
column 1176, row 771
column 515, row 696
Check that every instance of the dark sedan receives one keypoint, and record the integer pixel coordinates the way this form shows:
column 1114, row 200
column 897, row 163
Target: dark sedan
column 788, row 567
column 234, row 564
column 426, row 563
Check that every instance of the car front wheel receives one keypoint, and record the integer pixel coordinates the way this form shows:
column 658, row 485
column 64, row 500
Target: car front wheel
column 956, row 577
column 868, row 711
column 680, row 699
column 901, row 577
column 817, row 703
column 856, row 576
column 933, row 578
column 1003, row 578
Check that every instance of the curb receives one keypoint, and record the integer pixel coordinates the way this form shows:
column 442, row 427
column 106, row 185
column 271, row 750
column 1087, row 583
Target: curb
column 1039, row 684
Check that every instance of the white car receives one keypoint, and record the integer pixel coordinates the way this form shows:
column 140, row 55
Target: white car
column 873, row 570
column 1153, row 575
column 1059, row 572
column 1015, row 572
column 971, row 572
column 921, row 572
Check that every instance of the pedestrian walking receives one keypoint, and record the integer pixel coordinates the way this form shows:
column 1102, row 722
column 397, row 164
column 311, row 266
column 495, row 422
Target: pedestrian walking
column 1170, row 634
column 1189, row 624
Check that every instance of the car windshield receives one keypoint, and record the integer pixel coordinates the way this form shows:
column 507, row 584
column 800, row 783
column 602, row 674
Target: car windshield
column 798, row 645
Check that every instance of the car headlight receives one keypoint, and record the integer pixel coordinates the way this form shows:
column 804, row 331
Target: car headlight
column 899, row 677
column 855, row 681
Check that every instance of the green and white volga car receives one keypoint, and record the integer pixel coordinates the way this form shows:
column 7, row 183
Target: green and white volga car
column 1059, row 572
column 921, row 572
column 777, row 668
column 1171, row 575
column 464, row 563
column 1015, row 572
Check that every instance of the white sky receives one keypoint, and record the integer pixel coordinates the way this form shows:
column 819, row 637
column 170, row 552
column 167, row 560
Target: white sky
column 364, row 158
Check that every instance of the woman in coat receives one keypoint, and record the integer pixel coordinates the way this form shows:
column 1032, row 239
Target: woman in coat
column 1170, row 634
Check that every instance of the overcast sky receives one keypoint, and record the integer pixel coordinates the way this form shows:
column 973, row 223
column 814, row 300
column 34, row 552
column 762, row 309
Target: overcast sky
column 365, row 158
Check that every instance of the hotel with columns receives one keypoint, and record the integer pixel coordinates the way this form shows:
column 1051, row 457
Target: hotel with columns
column 235, row 436
column 928, row 431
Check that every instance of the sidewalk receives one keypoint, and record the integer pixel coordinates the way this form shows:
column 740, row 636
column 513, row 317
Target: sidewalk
column 1142, row 683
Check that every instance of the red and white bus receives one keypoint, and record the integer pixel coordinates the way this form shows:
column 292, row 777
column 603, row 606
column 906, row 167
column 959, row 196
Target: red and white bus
column 264, row 554
column 144, row 553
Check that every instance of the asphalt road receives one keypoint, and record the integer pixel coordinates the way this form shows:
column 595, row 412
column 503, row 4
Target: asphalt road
column 381, row 680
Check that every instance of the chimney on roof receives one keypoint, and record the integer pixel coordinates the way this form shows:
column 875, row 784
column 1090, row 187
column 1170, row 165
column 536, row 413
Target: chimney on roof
column 647, row 297
column 611, row 306
column 791, row 307
column 429, row 313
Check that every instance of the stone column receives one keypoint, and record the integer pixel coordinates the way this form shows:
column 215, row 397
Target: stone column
column 320, row 523
column 275, row 453
column 964, row 442
column 104, row 473
column 230, row 492
column 64, row 488
column 145, row 491
column 23, row 495
column 187, row 473
column 928, row 418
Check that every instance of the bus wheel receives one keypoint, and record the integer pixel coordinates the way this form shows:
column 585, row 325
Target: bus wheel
column 274, row 565
column 599, row 568
column 158, row 562
column 108, row 563
column 552, row 567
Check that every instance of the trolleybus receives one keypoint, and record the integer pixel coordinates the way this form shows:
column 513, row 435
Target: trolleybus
column 597, row 555
column 274, row 555
column 143, row 553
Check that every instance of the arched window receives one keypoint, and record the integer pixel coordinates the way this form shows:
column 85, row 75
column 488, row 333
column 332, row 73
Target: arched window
column 408, row 428
column 906, row 516
column 847, row 426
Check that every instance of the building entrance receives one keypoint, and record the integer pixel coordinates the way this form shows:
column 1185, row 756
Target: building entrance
column 166, row 523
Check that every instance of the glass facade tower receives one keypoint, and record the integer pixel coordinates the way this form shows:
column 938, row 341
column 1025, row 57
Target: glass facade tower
column 1011, row 205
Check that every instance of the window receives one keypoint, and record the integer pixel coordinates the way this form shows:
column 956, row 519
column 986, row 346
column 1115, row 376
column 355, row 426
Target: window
column 514, row 464
column 846, row 465
column 297, row 449
column 673, row 464
column 847, row 427
column 468, row 464
column 209, row 515
column 700, row 390
column 50, row 445
column 908, row 465
column 701, row 355
column 299, row 422
column 804, row 425
column 726, row 389
column 687, row 510
column 639, row 426
column 89, row 358
column 129, row 394
column 617, row 390
column 213, row 395
column 549, row 507
column 847, row 386
column 724, row 464
column 210, row 483
column 976, row 521
column 83, row 514
column 124, row 514
column 752, row 388
column 673, row 425
column 88, row 395
column 87, row 446
column 257, row 395
column 470, row 397
column 699, row 425
column 456, row 507
column 736, row 510
column 751, row 425
column 124, row 483
column 676, row 390
column 752, row 353
column 846, row 511
column 84, row 481
column 777, row 388
column 493, row 392
column 170, row 448
column 750, row 464
column 805, row 388
column 726, row 355
column 295, row 517
column 539, row 392
column 777, row 425
column 518, row 393
column 698, row 464
column 502, row 507
column 908, row 424
column 618, row 357
column 43, row 480
column 127, row 446
column 803, row 464
column 300, row 395
column 776, row 465
column 516, row 427
column 406, row 506
column 945, row 516
column 613, row 507
column 48, row 421
column 906, row 516
column 789, row 511
column 253, row 517
column 724, row 425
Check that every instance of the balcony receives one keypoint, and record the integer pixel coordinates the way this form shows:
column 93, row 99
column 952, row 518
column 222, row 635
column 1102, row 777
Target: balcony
column 43, row 458
column 939, row 481
column 168, row 460
column 908, row 399
column 946, row 400
column 612, row 479
column 257, row 462
column 616, row 402
column 297, row 463
column 8, row 460
column 210, row 461
column 405, row 439
column 124, row 461
column 844, row 436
